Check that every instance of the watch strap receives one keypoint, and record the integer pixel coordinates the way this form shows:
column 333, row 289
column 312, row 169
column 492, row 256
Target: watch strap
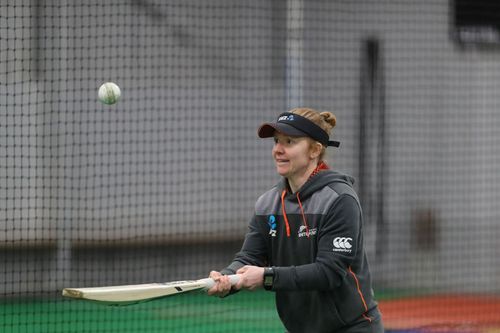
column 268, row 278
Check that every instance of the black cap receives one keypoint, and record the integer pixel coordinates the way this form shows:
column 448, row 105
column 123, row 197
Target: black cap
column 294, row 125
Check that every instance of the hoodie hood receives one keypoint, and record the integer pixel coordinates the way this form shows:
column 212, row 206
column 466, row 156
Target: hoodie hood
column 320, row 180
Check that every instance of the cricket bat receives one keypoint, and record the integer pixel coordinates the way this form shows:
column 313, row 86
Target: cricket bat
column 130, row 294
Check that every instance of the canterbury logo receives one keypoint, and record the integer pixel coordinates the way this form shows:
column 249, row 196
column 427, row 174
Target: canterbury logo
column 342, row 244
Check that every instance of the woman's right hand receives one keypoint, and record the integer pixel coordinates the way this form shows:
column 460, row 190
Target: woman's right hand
column 222, row 285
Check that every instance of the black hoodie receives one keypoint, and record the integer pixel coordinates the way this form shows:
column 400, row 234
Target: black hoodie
column 314, row 241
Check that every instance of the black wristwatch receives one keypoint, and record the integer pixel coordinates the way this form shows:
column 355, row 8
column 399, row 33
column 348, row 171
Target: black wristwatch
column 268, row 278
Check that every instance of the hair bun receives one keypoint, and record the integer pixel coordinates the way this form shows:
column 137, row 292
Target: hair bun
column 329, row 118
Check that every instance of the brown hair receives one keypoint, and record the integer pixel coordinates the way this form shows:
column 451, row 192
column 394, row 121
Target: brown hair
column 324, row 119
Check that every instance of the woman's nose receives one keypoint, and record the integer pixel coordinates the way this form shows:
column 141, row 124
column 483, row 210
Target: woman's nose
column 278, row 148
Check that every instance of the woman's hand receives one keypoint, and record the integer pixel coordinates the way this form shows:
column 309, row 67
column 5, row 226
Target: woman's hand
column 251, row 277
column 222, row 285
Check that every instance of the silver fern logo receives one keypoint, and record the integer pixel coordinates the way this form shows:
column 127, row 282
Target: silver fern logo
column 303, row 231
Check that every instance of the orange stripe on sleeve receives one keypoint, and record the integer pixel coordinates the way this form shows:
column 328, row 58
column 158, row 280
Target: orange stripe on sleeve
column 360, row 293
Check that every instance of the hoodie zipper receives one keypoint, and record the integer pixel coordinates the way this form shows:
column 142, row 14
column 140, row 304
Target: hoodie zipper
column 303, row 215
column 284, row 213
column 285, row 217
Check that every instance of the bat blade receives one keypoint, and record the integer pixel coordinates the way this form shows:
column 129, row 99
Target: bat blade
column 130, row 294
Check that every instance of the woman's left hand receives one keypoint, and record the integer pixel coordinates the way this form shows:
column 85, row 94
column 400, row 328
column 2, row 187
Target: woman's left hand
column 251, row 277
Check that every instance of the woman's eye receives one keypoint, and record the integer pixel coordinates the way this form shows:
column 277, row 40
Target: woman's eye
column 284, row 141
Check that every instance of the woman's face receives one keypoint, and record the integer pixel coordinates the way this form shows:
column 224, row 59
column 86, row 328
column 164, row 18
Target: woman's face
column 292, row 156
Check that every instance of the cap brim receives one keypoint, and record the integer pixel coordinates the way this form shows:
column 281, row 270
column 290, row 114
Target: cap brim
column 267, row 130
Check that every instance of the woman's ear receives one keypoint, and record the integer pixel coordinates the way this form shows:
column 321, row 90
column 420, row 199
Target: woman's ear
column 315, row 150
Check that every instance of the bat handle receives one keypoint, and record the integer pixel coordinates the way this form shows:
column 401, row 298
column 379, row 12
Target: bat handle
column 209, row 283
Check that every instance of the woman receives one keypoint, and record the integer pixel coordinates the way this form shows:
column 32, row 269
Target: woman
column 305, row 241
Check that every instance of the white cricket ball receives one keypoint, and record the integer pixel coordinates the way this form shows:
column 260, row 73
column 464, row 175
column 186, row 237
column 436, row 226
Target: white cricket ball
column 109, row 93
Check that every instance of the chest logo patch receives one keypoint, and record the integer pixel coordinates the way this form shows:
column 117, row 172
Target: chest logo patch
column 303, row 231
column 271, row 221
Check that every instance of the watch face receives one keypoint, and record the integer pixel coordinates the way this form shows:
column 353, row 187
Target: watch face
column 268, row 280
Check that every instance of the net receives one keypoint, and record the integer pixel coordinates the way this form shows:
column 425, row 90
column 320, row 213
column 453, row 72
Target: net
column 160, row 186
